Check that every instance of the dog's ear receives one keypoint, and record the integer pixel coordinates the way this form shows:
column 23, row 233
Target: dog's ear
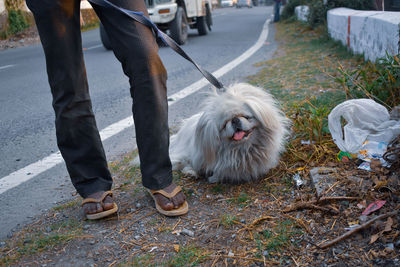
column 207, row 137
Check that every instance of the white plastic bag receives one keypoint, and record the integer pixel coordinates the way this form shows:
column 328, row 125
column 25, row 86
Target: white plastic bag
column 366, row 120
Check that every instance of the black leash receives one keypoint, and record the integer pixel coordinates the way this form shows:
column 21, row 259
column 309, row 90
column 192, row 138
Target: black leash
column 139, row 17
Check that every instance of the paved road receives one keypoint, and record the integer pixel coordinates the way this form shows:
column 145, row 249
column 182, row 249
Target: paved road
column 27, row 132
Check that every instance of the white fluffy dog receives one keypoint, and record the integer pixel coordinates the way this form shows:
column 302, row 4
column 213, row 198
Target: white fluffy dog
column 237, row 137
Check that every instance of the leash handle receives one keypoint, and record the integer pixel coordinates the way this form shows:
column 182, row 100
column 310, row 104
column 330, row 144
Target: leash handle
column 139, row 17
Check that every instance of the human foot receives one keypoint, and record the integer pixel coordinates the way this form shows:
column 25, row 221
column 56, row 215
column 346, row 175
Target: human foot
column 99, row 205
column 170, row 200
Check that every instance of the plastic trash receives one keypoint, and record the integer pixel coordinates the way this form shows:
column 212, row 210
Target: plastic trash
column 366, row 120
column 299, row 182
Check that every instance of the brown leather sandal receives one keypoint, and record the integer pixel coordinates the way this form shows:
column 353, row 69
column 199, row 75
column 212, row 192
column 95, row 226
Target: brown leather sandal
column 183, row 209
column 99, row 215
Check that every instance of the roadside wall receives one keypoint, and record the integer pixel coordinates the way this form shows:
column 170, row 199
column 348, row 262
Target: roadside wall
column 88, row 15
column 371, row 33
column 3, row 15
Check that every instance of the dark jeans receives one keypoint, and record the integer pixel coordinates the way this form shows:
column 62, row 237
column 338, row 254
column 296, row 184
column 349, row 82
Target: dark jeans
column 277, row 8
column 77, row 135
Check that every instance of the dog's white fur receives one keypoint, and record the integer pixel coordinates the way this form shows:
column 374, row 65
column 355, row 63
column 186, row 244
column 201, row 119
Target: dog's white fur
column 204, row 145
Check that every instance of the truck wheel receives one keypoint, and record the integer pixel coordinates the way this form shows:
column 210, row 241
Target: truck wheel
column 201, row 24
column 104, row 38
column 208, row 18
column 179, row 27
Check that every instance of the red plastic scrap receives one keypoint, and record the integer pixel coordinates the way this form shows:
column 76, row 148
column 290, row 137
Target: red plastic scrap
column 373, row 207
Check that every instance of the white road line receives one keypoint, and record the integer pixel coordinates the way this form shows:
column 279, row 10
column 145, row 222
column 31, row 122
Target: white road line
column 22, row 175
column 6, row 66
column 92, row 47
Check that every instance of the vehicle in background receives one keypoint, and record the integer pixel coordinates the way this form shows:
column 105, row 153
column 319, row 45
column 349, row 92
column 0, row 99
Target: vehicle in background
column 226, row 3
column 179, row 15
column 176, row 16
column 244, row 3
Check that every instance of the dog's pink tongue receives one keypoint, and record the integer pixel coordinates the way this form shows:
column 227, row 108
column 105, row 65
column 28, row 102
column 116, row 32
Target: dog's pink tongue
column 238, row 136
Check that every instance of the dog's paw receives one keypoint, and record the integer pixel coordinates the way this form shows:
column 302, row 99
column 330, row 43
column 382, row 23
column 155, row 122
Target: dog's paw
column 189, row 171
column 213, row 179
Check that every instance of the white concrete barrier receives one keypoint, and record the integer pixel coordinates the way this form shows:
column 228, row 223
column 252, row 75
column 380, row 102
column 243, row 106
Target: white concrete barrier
column 302, row 12
column 2, row 6
column 85, row 5
column 372, row 33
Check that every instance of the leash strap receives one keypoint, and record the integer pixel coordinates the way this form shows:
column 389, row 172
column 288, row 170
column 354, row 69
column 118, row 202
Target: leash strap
column 139, row 17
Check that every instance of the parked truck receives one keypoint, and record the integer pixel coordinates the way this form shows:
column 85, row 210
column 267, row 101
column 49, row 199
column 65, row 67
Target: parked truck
column 176, row 16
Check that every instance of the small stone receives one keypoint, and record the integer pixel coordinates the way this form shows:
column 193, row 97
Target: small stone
column 2, row 244
column 131, row 210
column 390, row 246
column 362, row 218
column 230, row 254
column 137, row 237
column 26, row 241
column 48, row 229
column 86, row 226
column 323, row 178
column 187, row 232
column 97, row 253
column 265, row 253
column 233, row 236
column 9, row 235
column 138, row 205
column 92, row 242
column 242, row 220
column 208, row 196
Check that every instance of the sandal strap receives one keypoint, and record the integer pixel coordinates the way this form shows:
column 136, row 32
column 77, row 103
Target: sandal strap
column 100, row 200
column 166, row 194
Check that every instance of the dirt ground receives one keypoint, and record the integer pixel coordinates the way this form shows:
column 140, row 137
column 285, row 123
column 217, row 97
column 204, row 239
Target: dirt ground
column 270, row 222
column 26, row 37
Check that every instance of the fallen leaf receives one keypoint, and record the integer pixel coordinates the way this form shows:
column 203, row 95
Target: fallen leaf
column 374, row 238
column 176, row 248
column 388, row 226
column 373, row 207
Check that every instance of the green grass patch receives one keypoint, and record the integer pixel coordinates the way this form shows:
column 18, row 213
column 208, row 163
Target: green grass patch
column 67, row 205
column 37, row 240
column 187, row 256
column 217, row 189
column 227, row 220
column 278, row 238
column 139, row 261
column 242, row 199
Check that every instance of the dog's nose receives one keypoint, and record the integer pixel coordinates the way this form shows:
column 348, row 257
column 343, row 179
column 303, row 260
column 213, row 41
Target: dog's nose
column 236, row 124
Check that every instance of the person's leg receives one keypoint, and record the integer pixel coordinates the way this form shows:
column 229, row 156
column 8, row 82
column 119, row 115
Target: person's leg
column 277, row 10
column 135, row 47
column 58, row 23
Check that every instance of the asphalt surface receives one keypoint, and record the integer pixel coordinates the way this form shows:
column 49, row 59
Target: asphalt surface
column 27, row 131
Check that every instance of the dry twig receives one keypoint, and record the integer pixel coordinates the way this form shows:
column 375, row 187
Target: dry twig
column 352, row 231
column 312, row 204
